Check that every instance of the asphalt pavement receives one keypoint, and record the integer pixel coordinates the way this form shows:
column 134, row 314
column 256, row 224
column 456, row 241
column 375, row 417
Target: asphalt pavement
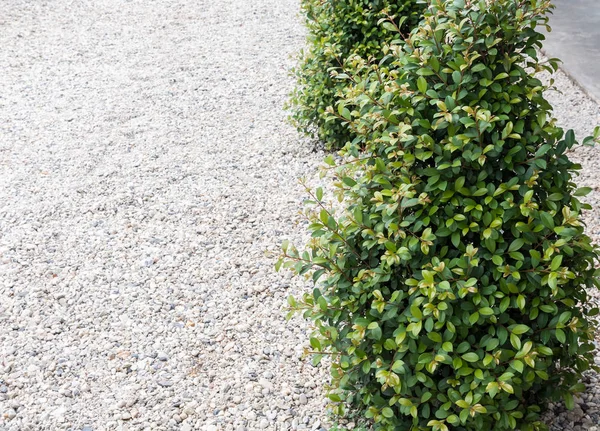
column 575, row 39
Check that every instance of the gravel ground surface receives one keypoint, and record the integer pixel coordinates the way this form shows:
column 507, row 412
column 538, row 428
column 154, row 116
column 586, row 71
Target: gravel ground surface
column 145, row 170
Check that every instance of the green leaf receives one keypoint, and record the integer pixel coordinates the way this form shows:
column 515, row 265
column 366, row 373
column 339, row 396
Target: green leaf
column 463, row 404
column 474, row 318
column 519, row 329
column 470, row 357
column 515, row 341
column 319, row 193
column 324, row 216
column 463, row 347
column 315, row 343
column 570, row 138
column 278, row 264
column 322, row 303
column 583, row 191
column 358, row 215
column 516, row 245
column 334, row 397
column 492, row 389
column 486, row 311
column 564, row 317
column 435, row 337
column 389, row 26
column 343, row 111
column 348, row 181
column 569, row 401
column 456, row 77
column 517, row 365
column 556, row 262
column 398, row 366
column 387, row 412
column 544, row 350
column 425, row 72
column 330, row 160
column 547, row 220
column 416, row 312
column 464, row 414
column 455, row 239
column 405, row 402
column 422, row 85
column 504, row 304
column 390, row 344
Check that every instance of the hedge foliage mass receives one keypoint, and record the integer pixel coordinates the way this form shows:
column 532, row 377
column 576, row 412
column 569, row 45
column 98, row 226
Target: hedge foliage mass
column 451, row 290
column 338, row 29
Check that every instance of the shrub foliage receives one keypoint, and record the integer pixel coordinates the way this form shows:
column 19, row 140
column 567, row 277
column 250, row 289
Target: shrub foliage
column 451, row 291
column 338, row 29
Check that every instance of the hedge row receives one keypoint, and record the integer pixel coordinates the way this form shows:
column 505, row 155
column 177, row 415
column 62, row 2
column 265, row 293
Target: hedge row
column 451, row 291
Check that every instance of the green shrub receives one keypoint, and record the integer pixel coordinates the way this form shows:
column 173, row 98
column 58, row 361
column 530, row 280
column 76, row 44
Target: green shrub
column 337, row 29
column 451, row 291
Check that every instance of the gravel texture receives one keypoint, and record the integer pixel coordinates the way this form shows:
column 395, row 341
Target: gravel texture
column 147, row 176
column 145, row 168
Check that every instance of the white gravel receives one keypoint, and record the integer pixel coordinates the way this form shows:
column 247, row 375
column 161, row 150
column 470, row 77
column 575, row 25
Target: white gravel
column 145, row 170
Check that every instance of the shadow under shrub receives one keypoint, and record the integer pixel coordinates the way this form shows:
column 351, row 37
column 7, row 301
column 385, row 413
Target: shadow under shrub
column 338, row 29
column 451, row 291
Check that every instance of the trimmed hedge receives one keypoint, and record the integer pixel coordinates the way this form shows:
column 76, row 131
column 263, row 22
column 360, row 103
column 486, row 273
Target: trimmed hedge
column 338, row 29
column 451, row 291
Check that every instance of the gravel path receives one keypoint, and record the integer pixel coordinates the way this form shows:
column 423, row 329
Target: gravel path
column 145, row 169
